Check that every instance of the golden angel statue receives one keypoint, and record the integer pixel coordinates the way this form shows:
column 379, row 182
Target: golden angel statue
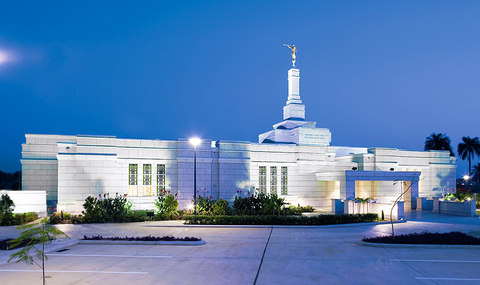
column 294, row 50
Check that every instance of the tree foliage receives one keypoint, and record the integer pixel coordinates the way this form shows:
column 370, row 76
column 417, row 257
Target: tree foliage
column 438, row 142
column 6, row 210
column 476, row 173
column 468, row 149
column 35, row 237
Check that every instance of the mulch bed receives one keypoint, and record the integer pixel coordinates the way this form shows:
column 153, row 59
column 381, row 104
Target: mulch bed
column 144, row 238
column 451, row 238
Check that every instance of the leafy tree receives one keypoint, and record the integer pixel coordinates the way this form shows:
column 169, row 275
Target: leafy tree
column 438, row 142
column 35, row 237
column 6, row 210
column 476, row 173
column 468, row 149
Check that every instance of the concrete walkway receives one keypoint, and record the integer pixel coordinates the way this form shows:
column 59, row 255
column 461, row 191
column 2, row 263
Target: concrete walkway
column 232, row 255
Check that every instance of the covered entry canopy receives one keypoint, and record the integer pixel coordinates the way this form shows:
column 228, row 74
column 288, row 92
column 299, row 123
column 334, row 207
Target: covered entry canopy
column 351, row 176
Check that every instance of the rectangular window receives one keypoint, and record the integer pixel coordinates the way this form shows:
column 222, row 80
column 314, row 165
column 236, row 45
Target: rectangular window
column 273, row 180
column 284, row 180
column 160, row 179
column 132, row 174
column 262, row 179
column 147, row 174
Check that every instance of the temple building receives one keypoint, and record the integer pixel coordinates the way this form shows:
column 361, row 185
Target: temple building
column 294, row 160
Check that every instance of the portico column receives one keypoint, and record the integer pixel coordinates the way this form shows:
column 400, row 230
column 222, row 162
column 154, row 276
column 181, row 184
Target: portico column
column 350, row 189
column 414, row 192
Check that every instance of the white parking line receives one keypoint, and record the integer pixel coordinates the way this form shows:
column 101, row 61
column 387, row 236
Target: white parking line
column 435, row 260
column 109, row 255
column 448, row 279
column 76, row 271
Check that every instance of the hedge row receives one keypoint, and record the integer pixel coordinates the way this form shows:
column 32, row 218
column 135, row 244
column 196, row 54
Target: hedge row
column 18, row 219
column 281, row 220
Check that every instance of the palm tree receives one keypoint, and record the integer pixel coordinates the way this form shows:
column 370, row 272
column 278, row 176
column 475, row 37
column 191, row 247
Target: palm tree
column 438, row 142
column 476, row 173
column 468, row 149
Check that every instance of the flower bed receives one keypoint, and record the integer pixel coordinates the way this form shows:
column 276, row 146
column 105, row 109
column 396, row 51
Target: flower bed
column 144, row 238
column 451, row 238
column 281, row 220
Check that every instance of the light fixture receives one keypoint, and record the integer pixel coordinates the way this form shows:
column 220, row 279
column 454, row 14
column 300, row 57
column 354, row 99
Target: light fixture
column 195, row 141
column 466, row 177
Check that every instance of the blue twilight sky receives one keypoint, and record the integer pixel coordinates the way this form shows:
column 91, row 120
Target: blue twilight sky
column 377, row 73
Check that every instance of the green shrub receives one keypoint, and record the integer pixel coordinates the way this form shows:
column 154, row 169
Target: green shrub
column 54, row 218
column 459, row 196
column 24, row 218
column 281, row 220
column 221, row 207
column 167, row 217
column 6, row 211
column 259, row 204
column 205, row 205
column 298, row 210
column 136, row 216
column 76, row 219
column 105, row 210
column 166, row 204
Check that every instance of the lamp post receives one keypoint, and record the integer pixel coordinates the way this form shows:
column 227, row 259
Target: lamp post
column 194, row 142
column 466, row 178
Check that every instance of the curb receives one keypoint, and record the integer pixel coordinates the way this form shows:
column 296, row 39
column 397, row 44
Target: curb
column 137, row 242
column 394, row 245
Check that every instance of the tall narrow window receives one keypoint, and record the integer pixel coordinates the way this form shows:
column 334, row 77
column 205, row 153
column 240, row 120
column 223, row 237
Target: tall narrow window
column 273, row 179
column 284, row 186
column 262, row 179
column 147, row 174
column 132, row 174
column 160, row 179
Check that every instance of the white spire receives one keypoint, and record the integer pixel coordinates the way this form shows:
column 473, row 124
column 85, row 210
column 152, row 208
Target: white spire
column 294, row 109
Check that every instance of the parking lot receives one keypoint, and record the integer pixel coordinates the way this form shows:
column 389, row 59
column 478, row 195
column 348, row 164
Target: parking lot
column 233, row 255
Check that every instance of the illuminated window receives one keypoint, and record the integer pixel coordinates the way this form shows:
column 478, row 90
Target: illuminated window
column 284, row 186
column 160, row 179
column 132, row 174
column 262, row 179
column 273, row 180
column 147, row 174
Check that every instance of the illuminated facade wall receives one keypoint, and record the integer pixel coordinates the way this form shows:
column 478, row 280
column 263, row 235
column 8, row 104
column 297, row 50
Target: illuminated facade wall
column 71, row 168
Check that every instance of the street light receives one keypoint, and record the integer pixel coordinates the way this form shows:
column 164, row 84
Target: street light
column 194, row 142
column 466, row 178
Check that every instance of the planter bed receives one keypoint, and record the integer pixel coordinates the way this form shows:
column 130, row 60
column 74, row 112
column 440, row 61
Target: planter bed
column 281, row 220
column 426, row 238
column 146, row 240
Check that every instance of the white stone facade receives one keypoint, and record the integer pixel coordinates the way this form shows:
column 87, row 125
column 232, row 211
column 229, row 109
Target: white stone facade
column 90, row 165
column 295, row 160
